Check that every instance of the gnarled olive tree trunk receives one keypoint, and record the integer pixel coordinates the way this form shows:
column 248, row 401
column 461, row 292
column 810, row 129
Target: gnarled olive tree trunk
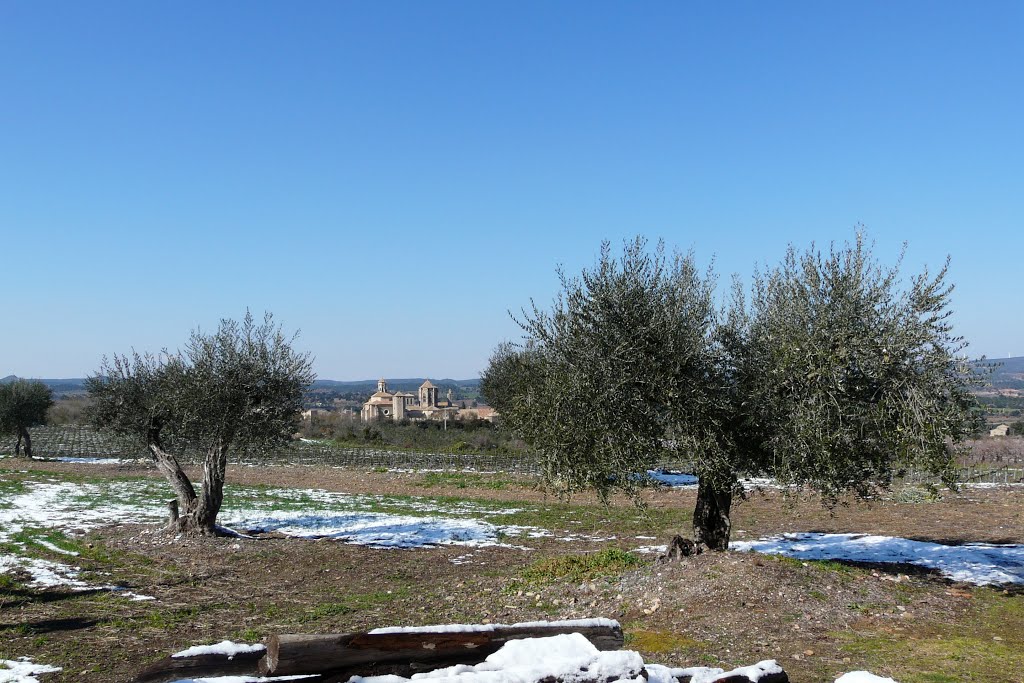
column 23, row 438
column 711, row 523
column 190, row 513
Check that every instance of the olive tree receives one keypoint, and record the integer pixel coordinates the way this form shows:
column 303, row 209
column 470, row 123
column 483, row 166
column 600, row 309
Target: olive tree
column 23, row 404
column 846, row 374
column 837, row 374
column 236, row 389
column 621, row 372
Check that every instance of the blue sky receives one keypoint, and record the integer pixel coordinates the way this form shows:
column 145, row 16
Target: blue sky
column 393, row 177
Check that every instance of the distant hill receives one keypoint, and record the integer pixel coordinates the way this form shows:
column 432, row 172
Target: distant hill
column 78, row 383
column 60, row 387
column 1007, row 373
column 398, row 384
column 362, row 389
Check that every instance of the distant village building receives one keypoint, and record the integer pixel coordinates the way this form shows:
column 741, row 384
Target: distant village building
column 1001, row 430
column 424, row 405
column 479, row 413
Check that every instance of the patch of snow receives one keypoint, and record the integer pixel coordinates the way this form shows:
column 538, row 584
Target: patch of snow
column 651, row 549
column 658, row 673
column 469, row 470
column 862, row 677
column 45, row 574
column 671, row 478
column 66, row 506
column 988, row 485
column 484, row 628
column 568, row 657
column 708, row 674
column 120, row 590
column 224, row 647
column 375, row 529
column 55, row 548
column 90, row 461
column 23, row 670
column 243, row 679
column 686, row 480
column 136, row 597
column 754, row 672
column 977, row 563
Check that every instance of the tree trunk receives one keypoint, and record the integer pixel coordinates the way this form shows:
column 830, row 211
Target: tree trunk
column 184, row 492
column 711, row 523
column 23, row 434
column 192, row 514
column 214, row 468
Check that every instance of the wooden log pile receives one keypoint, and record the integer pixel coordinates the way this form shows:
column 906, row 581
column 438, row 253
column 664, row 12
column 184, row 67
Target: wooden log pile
column 334, row 658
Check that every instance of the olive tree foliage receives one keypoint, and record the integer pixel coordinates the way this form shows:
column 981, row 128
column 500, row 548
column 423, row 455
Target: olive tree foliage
column 620, row 372
column 850, row 375
column 239, row 388
column 23, row 404
column 836, row 374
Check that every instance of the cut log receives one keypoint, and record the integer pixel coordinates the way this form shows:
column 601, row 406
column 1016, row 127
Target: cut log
column 410, row 651
column 173, row 668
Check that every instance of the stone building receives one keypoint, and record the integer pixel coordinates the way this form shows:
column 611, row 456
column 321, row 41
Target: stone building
column 424, row 405
column 1001, row 430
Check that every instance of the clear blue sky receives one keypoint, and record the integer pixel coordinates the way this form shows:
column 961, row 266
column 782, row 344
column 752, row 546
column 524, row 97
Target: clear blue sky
column 392, row 177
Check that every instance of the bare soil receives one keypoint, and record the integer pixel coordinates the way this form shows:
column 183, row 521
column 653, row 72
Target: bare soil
column 723, row 609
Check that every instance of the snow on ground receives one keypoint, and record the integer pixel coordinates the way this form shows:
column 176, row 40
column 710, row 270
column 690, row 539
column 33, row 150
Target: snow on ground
column 671, row 478
column 90, row 461
column 23, row 670
column 651, row 549
column 862, row 677
column 68, row 507
column 376, row 529
column 224, row 647
column 38, row 508
column 569, row 658
column 977, row 563
column 676, row 479
column 242, row 679
column 488, row 628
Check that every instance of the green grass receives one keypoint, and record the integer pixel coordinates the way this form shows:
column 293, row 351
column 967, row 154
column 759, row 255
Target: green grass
column 8, row 584
column 164, row 619
column 964, row 649
column 831, row 566
column 463, row 480
column 10, row 487
column 353, row 602
column 659, row 642
column 579, row 568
